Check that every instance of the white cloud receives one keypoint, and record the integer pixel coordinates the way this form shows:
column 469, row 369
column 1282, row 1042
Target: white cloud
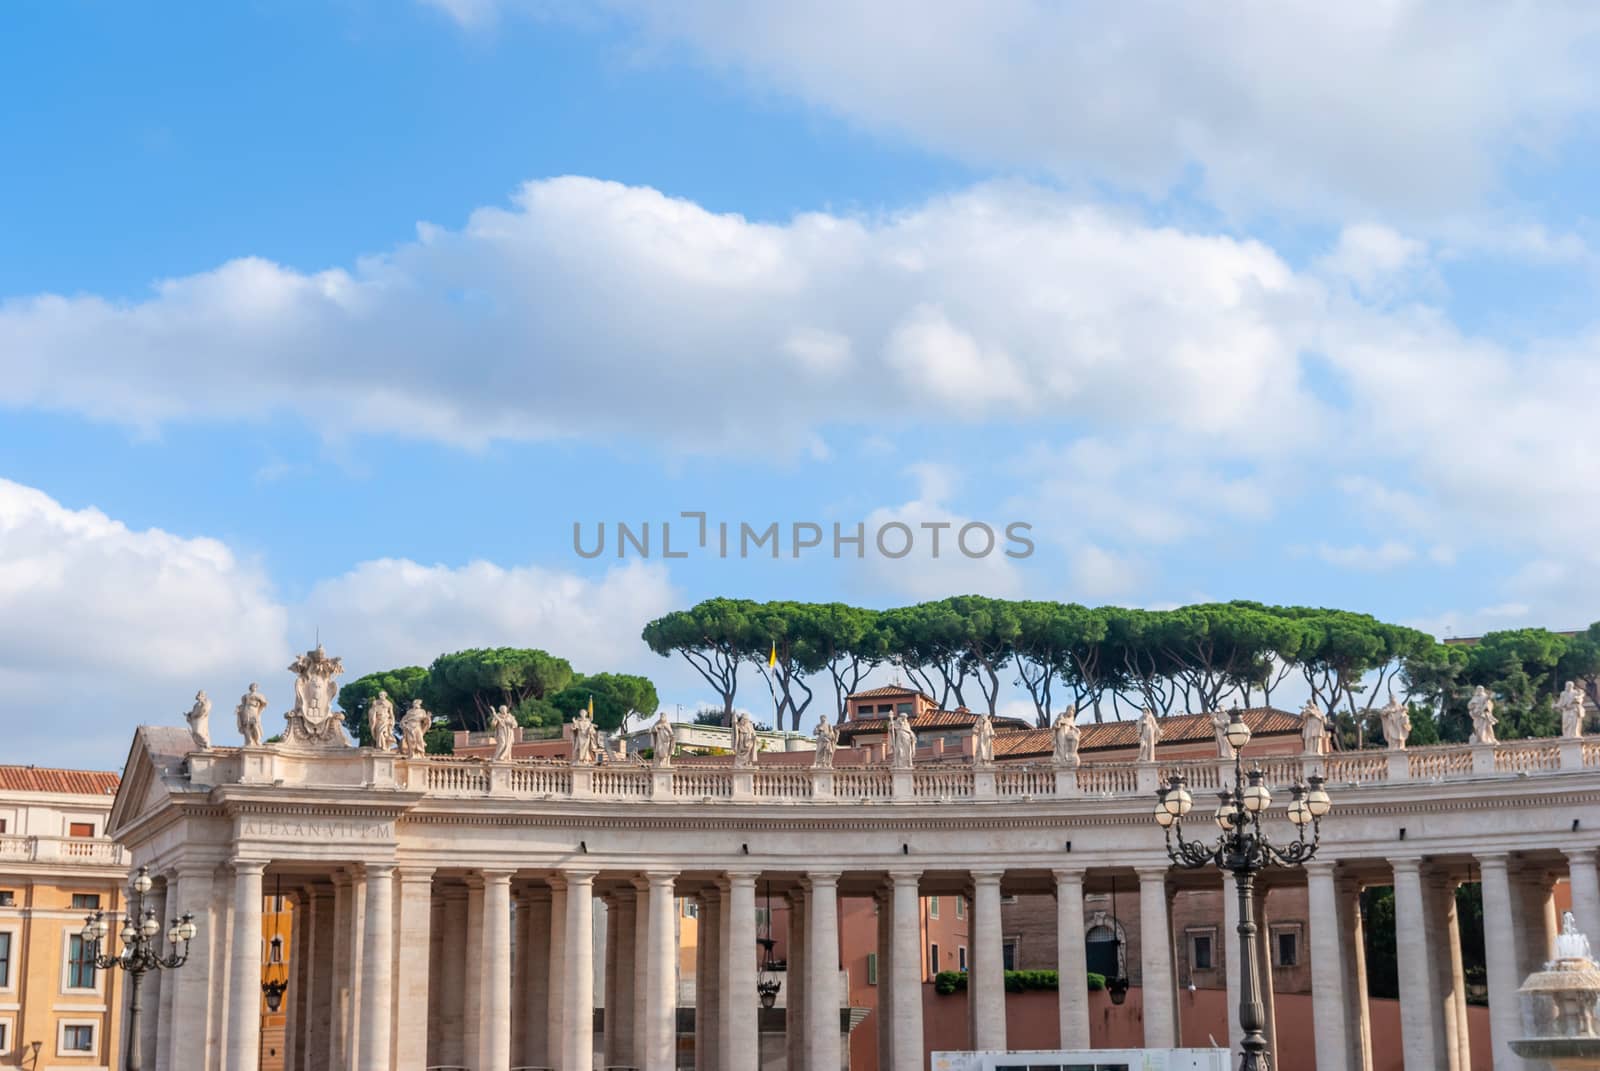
column 1388, row 555
column 1376, row 260
column 1097, row 574
column 1408, row 106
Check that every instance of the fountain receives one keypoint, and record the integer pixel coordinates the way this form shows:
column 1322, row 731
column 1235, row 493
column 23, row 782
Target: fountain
column 1561, row 1006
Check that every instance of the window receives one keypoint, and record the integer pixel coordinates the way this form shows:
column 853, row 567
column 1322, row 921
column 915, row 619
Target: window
column 80, row 963
column 1103, row 955
column 1201, row 956
column 8, row 898
column 77, row 1037
column 5, row 963
column 961, row 907
column 1286, row 947
column 933, row 959
column 903, row 708
column 872, row 968
column 5, row 1038
column 82, row 901
column 961, row 958
column 933, row 907
column 3, row 824
column 691, row 909
column 1008, row 953
column 80, row 829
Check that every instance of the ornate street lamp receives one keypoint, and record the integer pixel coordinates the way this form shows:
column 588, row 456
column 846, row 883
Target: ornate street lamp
column 141, row 950
column 275, row 979
column 768, row 986
column 1245, row 850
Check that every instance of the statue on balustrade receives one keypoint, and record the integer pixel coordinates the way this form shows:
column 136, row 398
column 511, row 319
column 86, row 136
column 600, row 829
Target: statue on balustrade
column 744, row 741
column 313, row 722
column 983, row 750
column 1313, row 729
column 247, row 715
column 1149, row 735
column 380, row 721
column 414, row 731
column 1396, row 720
column 827, row 743
column 199, row 719
column 1219, row 729
column 902, row 742
column 585, row 739
column 662, row 740
column 506, row 731
column 1065, row 738
column 1480, row 708
column 1570, row 707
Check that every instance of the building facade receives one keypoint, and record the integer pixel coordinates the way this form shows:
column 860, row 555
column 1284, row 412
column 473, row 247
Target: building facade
column 57, row 865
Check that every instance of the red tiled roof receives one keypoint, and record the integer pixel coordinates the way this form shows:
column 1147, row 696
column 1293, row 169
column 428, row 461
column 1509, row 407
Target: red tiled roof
column 1178, row 729
column 887, row 690
column 933, row 719
column 75, row 782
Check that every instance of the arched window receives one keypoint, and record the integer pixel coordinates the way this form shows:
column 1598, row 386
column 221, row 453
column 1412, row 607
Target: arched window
column 1103, row 950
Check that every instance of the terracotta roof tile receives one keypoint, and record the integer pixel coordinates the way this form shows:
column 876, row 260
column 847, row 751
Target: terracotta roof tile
column 75, row 782
column 933, row 719
column 885, row 691
column 1178, row 729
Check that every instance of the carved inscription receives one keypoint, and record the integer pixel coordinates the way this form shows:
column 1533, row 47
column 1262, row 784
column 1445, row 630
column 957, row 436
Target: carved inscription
column 313, row 830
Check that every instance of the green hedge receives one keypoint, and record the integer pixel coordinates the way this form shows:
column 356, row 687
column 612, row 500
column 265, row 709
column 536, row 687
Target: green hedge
column 947, row 982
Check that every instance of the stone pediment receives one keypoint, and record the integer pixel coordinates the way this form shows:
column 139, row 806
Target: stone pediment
column 152, row 774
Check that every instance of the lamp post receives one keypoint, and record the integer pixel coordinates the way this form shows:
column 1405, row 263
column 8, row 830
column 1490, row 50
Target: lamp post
column 141, row 951
column 768, row 986
column 1244, row 850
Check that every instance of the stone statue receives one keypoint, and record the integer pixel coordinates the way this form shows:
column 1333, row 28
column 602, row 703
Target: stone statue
column 199, row 719
column 983, row 748
column 1396, row 720
column 506, row 732
column 380, row 721
column 313, row 722
column 902, row 742
column 1219, row 729
column 662, row 740
column 744, row 741
column 1313, row 729
column 1149, row 735
column 1570, row 707
column 414, row 731
column 1570, row 944
column 1480, row 708
column 248, row 715
column 1065, row 738
column 585, row 739
column 827, row 744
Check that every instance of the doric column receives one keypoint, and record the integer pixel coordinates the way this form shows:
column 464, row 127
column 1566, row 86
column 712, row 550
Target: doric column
column 557, row 972
column 1072, row 961
column 299, row 1025
column 451, row 1031
column 494, row 1041
column 1500, row 960
column 1155, row 958
column 472, row 1001
column 796, row 1023
column 708, row 1024
column 244, row 1005
column 579, row 992
column 1420, row 1030
column 151, row 996
column 1268, row 991
column 1358, row 1024
column 161, row 1057
column 822, row 969
column 906, row 968
column 661, row 976
column 1329, row 1015
column 609, row 1038
column 1585, row 881
column 739, row 1004
column 413, row 941
column 1446, row 948
column 319, row 990
column 986, row 983
column 641, row 961
column 620, row 932
column 534, row 967
column 189, row 1046
column 377, row 968
column 883, row 992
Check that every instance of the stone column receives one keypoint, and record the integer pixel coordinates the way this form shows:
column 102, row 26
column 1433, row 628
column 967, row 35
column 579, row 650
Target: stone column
column 453, row 972
column 1155, row 957
column 494, row 1034
column 1420, row 1030
column 244, row 1005
column 621, row 933
column 1446, row 949
column 609, row 1038
column 1585, row 881
column 822, row 970
column 1233, row 968
column 739, row 1002
column 150, row 996
column 883, row 904
column 661, row 976
column 1358, row 1025
column 1072, row 960
column 906, row 964
column 986, row 983
column 795, row 1021
column 579, row 990
column 377, row 968
column 161, row 1057
column 222, row 893
column 300, row 995
column 557, row 971
column 1500, row 960
column 1268, row 993
column 320, row 986
column 413, row 940
column 192, row 1045
column 1328, row 1011
column 641, row 961
column 476, row 970
column 708, row 1022
column 535, row 969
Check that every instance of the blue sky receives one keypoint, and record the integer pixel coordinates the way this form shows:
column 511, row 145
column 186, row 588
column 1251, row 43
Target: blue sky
column 337, row 316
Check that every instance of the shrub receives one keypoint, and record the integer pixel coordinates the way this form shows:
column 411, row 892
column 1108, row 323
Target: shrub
column 948, row 982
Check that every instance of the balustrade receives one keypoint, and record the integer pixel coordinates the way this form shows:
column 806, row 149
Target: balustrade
column 1438, row 763
column 1527, row 756
column 1025, row 781
column 946, row 784
column 1356, row 767
column 712, row 783
column 862, row 784
column 91, row 850
column 783, row 784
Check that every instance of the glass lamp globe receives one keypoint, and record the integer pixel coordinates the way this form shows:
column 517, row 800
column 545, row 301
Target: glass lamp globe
column 89, row 933
column 101, row 928
column 1256, row 796
column 173, row 934
column 142, row 881
column 1224, row 815
column 187, row 929
column 1317, row 799
column 1185, row 801
column 1299, row 813
column 151, row 926
column 1237, row 732
column 1164, row 814
column 128, row 932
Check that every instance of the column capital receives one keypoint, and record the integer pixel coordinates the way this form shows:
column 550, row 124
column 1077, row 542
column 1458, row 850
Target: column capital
column 195, row 870
column 824, row 878
column 1152, row 874
column 496, row 877
column 905, row 877
column 1069, row 875
column 572, row 877
column 1575, row 855
column 656, row 879
column 986, row 877
column 743, row 877
column 1408, row 864
column 379, row 870
column 242, row 867
column 416, row 874
column 1320, row 867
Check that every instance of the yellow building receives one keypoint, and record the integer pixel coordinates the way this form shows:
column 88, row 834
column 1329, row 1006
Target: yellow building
column 56, row 867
